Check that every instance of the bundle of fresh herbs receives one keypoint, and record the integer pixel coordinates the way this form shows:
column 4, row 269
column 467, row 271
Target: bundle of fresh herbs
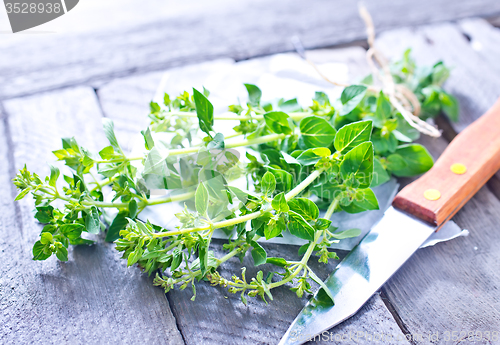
column 299, row 160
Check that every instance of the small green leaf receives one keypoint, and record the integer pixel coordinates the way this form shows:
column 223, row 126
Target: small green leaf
column 54, row 175
column 44, row 214
column 203, row 257
column 132, row 208
column 322, row 151
column 204, row 111
column 347, row 234
column 259, row 254
column 92, row 223
column 154, row 107
column 118, row 224
column 201, row 199
column 380, row 175
column 359, row 163
column 364, row 200
column 305, row 207
column 109, row 131
column 135, row 256
column 284, row 180
column 46, row 238
column 308, row 157
column 350, row 98
column 22, row 194
column 274, row 227
column 277, row 121
column 279, row 203
column 277, row 261
column 299, row 227
column 325, row 288
column 62, row 253
column 268, row 184
column 176, row 259
column 41, row 251
column 418, row 160
column 316, row 132
column 352, row 135
column 107, row 153
column 395, row 162
column 148, row 139
column 383, row 111
column 322, row 224
column 71, row 231
column 254, row 94
column 450, row 105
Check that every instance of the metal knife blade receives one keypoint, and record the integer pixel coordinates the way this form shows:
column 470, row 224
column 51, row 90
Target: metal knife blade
column 362, row 272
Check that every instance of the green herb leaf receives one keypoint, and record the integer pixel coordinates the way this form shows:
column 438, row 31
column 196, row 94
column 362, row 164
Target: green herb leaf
column 322, row 284
column 204, row 111
column 109, row 131
column 380, row 175
column 201, row 199
column 54, row 175
column 347, row 234
column 316, row 132
column 383, row 111
column 284, row 179
column 418, row 160
column 41, row 251
column 259, row 254
column 277, row 121
column 71, row 231
column 62, row 253
column 364, row 200
column 352, row 135
column 279, row 203
column 277, row 262
column 254, row 94
column 92, row 223
column 118, row 224
column 359, row 163
column 299, row 227
column 350, row 98
column 450, row 105
column 305, row 207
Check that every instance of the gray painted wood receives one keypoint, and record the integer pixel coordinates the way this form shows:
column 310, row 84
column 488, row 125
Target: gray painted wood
column 452, row 286
column 198, row 33
column 217, row 317
column 93, row 298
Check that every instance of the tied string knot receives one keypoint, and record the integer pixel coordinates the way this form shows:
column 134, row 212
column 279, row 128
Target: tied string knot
column 400, row 96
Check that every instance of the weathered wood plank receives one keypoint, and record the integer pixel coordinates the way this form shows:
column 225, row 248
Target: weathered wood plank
column 452, row 286
column 198, row 33
column 93, row 298
column 217, row 317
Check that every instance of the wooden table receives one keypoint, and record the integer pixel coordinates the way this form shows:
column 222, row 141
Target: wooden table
column 62, row 85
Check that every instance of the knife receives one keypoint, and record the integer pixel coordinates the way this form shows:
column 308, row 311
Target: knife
column 418, row 210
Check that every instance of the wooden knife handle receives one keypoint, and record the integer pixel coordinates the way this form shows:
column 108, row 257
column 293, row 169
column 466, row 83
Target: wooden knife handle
column 478, row 149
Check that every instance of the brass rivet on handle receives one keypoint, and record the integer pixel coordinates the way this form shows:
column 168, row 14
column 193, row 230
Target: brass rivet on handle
column 458, row 168
column 432, row 194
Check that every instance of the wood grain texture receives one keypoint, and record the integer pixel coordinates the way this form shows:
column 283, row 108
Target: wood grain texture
column 478, row 148
column 93, row 298
column 217, row 317
column 452, row 286
column 200, row 32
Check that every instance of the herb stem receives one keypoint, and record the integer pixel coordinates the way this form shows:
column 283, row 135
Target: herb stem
column 241, row 219
column 233, row 116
